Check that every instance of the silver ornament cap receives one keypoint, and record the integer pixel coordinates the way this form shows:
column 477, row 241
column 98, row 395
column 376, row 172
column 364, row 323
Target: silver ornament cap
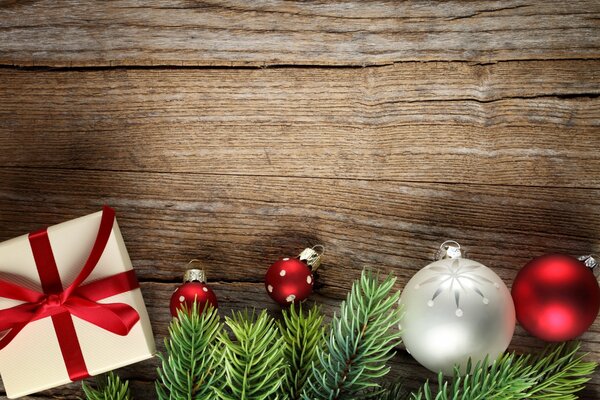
column 456, row 309
column 449, row 249
column 590, row 260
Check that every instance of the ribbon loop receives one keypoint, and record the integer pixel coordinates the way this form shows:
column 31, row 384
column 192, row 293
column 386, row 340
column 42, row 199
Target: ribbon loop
column 78, row 300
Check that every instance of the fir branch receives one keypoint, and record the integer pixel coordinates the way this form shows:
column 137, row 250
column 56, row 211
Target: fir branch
column 557, row 373
column 563, row 373
column 112, row 388
column 303, row 335
column 191, row 368
column 254, row 360
column 359, row 344
column 508, row 378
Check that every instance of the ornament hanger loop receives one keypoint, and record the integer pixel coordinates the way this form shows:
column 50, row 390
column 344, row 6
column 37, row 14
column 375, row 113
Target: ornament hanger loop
column 319, row 248
column 312, row 256
column 449, row 249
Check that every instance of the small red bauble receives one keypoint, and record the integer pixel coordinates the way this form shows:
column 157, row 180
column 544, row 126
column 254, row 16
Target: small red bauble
column 193, row 289
column 556, row 297
column 291, row 280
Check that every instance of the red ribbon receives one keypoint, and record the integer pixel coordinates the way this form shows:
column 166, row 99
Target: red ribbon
column 77, row 299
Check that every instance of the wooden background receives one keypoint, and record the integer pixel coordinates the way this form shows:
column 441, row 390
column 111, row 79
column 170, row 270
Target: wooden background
column 238, row 132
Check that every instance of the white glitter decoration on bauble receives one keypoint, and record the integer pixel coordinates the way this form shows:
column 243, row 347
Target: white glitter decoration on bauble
column 282, row 272
column 270, row 289
column 290, row 298
column 181, row 299
column 309, row 279
column 456, row 308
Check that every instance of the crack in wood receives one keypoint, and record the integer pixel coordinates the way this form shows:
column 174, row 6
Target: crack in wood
column 488, row 11
column 258, row 66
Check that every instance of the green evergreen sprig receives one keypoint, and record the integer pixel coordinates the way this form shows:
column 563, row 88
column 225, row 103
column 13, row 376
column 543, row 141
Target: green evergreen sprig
column 557, row 373
column 111, row 387
column 303, row 335
column 254, row 359
column 360, row 342
column 191, row 368
column 562, row 372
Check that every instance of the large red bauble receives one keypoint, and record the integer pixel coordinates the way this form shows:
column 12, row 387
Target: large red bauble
column 190, row 292
column 289, row 280
column 556, row 297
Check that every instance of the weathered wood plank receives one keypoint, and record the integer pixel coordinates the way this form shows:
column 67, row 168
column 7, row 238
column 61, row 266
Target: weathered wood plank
column 516, row 123
column 354, row 32
column 239, row 225
column 237, row 296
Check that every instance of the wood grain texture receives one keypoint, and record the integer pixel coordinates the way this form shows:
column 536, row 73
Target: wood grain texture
column 351, row 32
column 516, row 123
column 472, row 120
column 240, row 224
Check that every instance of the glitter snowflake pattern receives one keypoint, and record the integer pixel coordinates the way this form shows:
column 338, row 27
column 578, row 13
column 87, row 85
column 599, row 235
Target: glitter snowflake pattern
column 457, row 279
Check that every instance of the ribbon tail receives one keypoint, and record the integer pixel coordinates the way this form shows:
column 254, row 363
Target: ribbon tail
column 17, row 315
column 9, row 290
column 11, row 335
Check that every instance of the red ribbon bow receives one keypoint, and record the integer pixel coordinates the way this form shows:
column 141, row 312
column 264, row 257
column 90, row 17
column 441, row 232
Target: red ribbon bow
column 77, row 299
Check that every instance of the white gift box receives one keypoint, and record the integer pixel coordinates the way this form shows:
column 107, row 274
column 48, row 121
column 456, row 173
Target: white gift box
column 33, row 360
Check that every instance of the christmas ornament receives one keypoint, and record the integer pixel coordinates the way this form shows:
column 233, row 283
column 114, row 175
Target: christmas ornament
column 557, row 296
column 456, row 309
column 291, row 279
column 193, row 289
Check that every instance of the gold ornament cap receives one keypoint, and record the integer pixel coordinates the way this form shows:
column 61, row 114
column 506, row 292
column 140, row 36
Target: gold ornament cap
column 194, row 274
column 312, row 256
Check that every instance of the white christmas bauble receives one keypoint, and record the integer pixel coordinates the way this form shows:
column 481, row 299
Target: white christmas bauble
column 456, row 308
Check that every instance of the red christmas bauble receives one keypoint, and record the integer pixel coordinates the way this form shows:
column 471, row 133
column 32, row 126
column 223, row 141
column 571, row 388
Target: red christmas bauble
column 193, row 290
column 556, row 297
column 289, row 280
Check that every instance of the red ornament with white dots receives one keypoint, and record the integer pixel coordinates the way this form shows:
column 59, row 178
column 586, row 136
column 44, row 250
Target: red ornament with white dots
column 193, row 289
column 291, row 280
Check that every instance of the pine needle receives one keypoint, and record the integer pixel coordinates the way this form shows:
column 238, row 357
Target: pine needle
column 191, row 368
column 359, row 344
column 111, row 388
column 389, row 392
column 254, row 359
column 303, row 335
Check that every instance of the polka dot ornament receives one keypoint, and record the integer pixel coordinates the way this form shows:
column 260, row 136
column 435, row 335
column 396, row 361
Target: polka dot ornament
column 291, row 280
column 193, row 289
